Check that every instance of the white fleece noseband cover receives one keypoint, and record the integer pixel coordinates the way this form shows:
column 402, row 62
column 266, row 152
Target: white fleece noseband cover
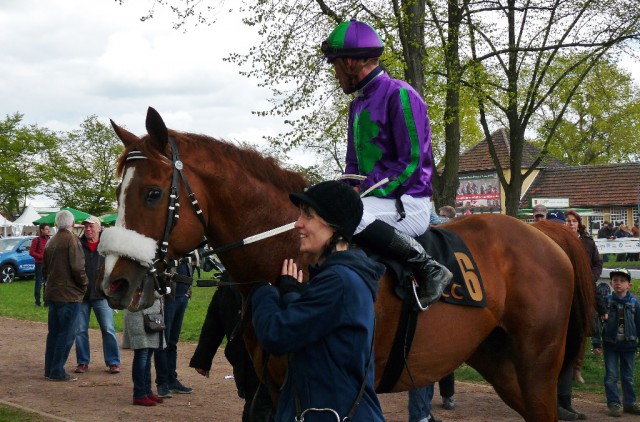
column 127, row 243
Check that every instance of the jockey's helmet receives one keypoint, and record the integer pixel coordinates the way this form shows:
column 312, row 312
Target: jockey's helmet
column 352, row 39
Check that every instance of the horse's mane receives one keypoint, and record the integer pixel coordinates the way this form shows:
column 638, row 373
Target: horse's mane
column 262, row 166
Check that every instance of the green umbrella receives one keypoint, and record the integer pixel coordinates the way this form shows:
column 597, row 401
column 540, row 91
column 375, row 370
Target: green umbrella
column 79, row 216
column 109, row 219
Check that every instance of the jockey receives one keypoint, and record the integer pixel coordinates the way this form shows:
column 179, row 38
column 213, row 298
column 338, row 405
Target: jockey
column 389, row 137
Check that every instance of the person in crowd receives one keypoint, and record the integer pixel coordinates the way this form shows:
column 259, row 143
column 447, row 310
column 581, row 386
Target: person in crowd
column 36, row 250
column 620, row 333
column 420, row 404
column 223, row 319
column 92, row 300
column 447, row 390
column 63, row 268
column 574, row 222
column 622, row 232
column 166, row 360
column 328, row 328
column 635, row 232
column 539, row 213
column 389, row 137
column 606, row 232
column 144, row 344
column 566, row 411
column 447, row 212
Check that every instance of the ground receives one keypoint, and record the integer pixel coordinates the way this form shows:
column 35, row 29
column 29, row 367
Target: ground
column 100, row 396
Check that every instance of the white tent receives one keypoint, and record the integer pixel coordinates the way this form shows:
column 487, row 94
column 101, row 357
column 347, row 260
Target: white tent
column 5, row 226
column 26, row 219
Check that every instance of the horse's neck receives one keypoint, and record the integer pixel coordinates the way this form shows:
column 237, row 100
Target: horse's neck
column 238, row 206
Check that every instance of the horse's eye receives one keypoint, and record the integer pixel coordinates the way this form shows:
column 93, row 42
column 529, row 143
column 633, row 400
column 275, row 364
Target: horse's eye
column 153, row 194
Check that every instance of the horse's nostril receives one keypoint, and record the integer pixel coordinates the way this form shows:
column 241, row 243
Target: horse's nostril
column 115, row 285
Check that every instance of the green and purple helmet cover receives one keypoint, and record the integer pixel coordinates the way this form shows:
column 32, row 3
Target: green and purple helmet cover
column 353, row 39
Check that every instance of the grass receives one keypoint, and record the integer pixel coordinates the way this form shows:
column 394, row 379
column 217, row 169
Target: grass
column 11, row 414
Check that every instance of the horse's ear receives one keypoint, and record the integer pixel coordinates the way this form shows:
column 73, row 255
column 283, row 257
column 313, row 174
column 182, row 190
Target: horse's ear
column 158, row 134
column 125, row 136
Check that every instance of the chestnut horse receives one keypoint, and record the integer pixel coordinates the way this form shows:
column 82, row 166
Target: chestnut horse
column 533, row 287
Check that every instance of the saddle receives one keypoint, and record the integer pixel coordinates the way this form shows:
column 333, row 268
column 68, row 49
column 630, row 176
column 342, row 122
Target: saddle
column 466, row 287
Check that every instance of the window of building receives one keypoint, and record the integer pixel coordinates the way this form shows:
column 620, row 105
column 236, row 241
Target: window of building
column 618, row 216
column 635, row 215
column 594, row 222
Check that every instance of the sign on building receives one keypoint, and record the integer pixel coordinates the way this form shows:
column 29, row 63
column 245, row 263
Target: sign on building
column 551, row 202
column 479, row 191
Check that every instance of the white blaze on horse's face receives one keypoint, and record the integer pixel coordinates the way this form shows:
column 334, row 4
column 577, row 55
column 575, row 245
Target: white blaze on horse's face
column 124, row 188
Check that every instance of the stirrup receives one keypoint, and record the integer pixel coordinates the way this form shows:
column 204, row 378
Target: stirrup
column 414, row 287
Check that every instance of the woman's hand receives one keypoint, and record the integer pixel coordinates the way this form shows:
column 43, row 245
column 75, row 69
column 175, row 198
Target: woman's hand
column 290, row 280
column 290, row 268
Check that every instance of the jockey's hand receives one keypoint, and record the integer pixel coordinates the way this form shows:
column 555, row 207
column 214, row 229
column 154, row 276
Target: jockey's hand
column 202, row 372
column 597, row 351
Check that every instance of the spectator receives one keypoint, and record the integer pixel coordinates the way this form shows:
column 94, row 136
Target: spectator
column 92, row 300
column 144, row 344
column 223, row 319
column 606, row 232
column 36, row 250
column 446, row 386
column 166, row 360
column 63, row 268
column 327, row 330
column 420, row 404
column 622, row 232
column 390, row 118
column 566, row 412
column 574, row 222
column 620, row 334
column 447, row 212
column 635, row 232
column 539, row 213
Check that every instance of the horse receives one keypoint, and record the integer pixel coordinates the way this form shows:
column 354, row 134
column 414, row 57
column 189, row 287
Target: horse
column 538, row 289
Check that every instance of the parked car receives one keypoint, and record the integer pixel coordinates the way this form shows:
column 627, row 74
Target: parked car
column 15, row 260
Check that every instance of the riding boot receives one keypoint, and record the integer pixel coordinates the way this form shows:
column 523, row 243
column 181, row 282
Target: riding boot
column 432, row 276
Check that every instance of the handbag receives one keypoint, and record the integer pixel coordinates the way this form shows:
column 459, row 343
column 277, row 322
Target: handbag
column 154, row 323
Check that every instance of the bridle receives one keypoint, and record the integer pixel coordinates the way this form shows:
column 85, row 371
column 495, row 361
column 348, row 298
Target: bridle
column 160, row 268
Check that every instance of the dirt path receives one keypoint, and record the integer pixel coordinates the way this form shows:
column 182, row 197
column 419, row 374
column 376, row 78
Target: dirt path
column 100, row 396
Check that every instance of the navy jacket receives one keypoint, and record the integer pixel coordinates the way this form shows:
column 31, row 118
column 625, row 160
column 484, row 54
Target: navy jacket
column 328, row 332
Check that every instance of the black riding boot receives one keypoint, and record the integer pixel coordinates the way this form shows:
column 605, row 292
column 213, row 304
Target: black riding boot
column 564, row 403
column 432, row 276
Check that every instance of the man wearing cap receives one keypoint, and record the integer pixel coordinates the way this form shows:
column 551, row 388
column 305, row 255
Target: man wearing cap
column 92, row 300
column 389, row 138
column 539, row 213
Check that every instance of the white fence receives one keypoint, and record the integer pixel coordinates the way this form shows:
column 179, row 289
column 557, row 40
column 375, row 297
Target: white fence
column 622, row 245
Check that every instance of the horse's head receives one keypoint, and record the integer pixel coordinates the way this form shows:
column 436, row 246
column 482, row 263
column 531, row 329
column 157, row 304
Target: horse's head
column 145, row 217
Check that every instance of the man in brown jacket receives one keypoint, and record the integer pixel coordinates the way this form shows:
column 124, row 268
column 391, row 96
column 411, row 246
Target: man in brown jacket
column 67, row 282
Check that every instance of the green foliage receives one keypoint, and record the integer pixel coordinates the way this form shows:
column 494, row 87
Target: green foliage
column 602, row 122
column 83, row 168
column 22, row 160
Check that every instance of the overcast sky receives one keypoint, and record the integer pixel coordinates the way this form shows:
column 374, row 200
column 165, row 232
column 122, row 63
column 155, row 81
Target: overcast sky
column 63, row 60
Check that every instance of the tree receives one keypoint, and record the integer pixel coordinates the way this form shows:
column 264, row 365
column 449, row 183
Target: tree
column 82, row 169
column 22, row 152
column 515, row 46
column 501, row 51
column 602, row 121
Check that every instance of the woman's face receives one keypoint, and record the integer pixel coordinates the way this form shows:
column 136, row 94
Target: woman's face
column 572, row 222
column 314, row 232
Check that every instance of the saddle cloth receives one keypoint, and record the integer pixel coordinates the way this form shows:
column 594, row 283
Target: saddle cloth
column 466, row 286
